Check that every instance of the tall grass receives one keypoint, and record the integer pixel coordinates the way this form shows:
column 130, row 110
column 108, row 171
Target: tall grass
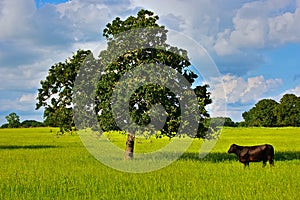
column 37, row 164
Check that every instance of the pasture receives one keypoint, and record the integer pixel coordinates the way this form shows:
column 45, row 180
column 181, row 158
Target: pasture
column 38, row 164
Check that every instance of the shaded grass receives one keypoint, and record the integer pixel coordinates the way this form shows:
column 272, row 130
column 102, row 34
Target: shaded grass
column 27, row 146
column 222, row 157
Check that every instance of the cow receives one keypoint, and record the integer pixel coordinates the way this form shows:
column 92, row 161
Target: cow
column 257, row 153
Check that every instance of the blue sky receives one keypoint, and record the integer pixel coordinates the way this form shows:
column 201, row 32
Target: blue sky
column 255, row 45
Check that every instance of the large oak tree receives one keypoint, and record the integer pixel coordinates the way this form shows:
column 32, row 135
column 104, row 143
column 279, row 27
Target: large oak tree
column 56, row 92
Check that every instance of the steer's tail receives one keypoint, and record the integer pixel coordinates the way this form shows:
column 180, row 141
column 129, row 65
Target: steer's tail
column 270, row 152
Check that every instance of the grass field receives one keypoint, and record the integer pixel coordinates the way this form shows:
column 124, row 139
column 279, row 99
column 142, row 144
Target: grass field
column 37, row 164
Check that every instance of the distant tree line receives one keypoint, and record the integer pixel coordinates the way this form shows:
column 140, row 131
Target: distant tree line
column 266, row 113
column 220, row 121
column 13, row 121
column 269, row 113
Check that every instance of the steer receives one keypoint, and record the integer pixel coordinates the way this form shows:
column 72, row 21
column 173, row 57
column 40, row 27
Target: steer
column 258, row 153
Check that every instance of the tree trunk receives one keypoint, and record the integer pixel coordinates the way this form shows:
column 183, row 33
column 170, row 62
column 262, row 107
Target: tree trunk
column 129, row 147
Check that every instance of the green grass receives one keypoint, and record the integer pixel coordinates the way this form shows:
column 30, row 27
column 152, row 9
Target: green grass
column 37, row 164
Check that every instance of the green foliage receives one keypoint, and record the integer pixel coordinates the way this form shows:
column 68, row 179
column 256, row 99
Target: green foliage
column 269, row 113
column 220, row 121
column 24, row 124
column 145, row 18
column 262, row 114
column 31, row 124
column 13, row 120
column 288, row 111
column 145, row 97
column 55, row 94
column 4, row 126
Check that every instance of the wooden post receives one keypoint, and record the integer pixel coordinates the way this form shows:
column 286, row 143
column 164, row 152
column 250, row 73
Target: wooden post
column 129, row 147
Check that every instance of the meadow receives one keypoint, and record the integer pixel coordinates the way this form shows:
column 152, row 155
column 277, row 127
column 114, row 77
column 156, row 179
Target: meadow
column 35, row 163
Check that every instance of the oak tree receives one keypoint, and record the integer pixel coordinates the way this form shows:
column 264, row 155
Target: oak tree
column 57, row 91
column 156, row 53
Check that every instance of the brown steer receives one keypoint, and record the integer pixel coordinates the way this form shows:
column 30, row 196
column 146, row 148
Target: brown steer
column 258, row 153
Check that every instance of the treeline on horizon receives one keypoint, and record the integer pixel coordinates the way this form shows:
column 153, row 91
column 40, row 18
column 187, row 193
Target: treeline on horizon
column 25, row 124
column 265, row 113
column 269, row 113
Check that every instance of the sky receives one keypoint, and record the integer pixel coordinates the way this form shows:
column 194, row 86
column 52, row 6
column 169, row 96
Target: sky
column 254, row 44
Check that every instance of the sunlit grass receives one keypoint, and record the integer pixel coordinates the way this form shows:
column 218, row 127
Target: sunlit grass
column 38, row 164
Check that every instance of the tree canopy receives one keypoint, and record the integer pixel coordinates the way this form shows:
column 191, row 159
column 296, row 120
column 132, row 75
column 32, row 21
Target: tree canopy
column 288, row 111
column 13, row 120
column 269, row 113
column 155, row 53
column 56, row 93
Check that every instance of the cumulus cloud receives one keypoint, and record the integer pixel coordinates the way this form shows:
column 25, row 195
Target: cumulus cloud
column 15, row 16
column 295, row 91
column 285, row 28
column 22, row 104
column 24, row 77
column 28, row 98
column 173, row 21
column 239, row 90
column 260, row 24
column 32, row 39
column 238, row 93
column 202, row 19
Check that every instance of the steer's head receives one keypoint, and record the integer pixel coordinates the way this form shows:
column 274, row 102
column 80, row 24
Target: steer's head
column 232, row 148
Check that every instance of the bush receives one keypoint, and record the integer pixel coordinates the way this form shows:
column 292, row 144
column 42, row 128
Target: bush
column 31, row 123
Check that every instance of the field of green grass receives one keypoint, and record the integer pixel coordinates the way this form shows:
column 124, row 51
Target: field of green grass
column 38, row 164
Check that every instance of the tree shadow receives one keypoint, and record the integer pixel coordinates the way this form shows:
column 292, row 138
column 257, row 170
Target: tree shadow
column 287, row 155
column 223, row 157
column 13, row 147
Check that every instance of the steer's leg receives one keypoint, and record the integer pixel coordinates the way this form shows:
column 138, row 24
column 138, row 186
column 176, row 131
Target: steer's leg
column 264, row 163
column 271, row 161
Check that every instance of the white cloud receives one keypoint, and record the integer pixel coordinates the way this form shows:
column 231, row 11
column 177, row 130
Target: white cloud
column 15, row 16
column 201, row 19
column 173, row 21
column 31, row 40
column 248, row 33
column 277, row 97
column 295, row 91
column 239, row 90
column 28, row 98
column 24, row 77
column 222, row 45
column 260, row 24
column 20, row 104
column 285, row 28
column 239, row 93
